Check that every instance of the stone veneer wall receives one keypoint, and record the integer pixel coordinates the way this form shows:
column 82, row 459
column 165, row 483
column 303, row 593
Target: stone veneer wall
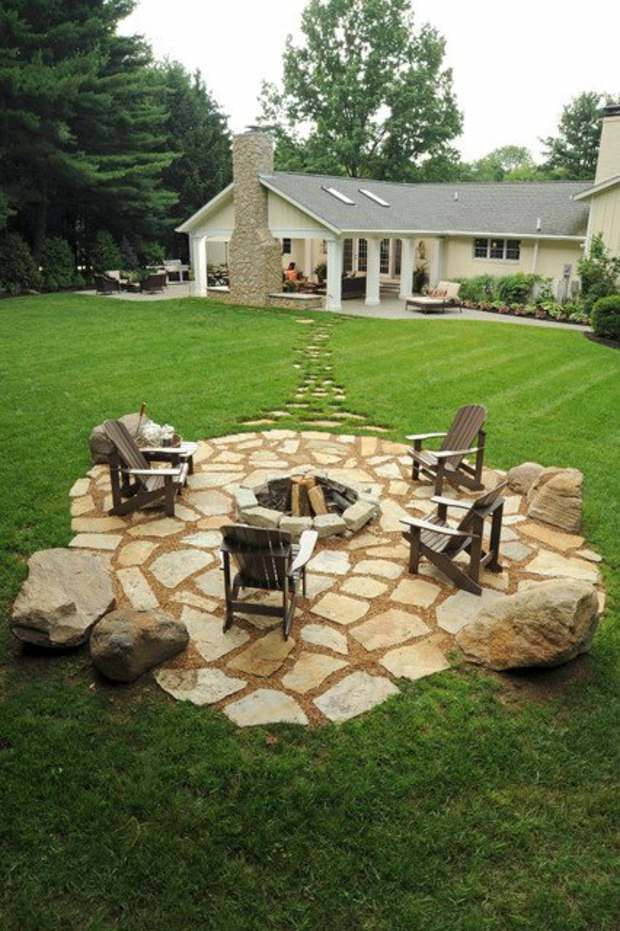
column 255, row 256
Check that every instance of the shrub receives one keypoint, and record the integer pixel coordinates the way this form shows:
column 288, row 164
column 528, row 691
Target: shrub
column 18, row 271
column 105, row 255
column 599, row 272
column 58, row 264
column 478, row 289
column 515, row 289
column 606, row 317
column 129, row 259
column 153, row 253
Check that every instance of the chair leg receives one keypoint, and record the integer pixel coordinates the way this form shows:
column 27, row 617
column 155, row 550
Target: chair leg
column 414, row 551
column 169, row 493
column 496, row 531
column 439, row 476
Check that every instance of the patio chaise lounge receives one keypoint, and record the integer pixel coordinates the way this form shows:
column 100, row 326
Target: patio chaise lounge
column 267, row 560
column 441, row 544
column 446, row 294
column 135, row 483
column 106, row 284
column 449, row 461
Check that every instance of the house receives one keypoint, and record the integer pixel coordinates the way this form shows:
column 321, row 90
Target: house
column 382, row 231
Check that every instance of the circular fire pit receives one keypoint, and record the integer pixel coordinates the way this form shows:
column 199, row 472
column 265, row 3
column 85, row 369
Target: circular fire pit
column 305, row 500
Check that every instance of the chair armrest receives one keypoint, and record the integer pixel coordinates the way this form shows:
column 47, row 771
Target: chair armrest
column 307, row 542
column 434, row 528
column 181, row 450
column 151, row 472
column 447, row 453
column 451, row 502
column 423, row 436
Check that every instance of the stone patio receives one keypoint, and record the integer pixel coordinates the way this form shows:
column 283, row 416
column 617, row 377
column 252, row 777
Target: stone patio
column 366, row 624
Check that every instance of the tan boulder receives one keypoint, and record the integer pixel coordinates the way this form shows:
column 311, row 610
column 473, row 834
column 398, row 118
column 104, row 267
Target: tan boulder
column 546, row 625
column 556, row 498
column 126, row 643
column 522, row 477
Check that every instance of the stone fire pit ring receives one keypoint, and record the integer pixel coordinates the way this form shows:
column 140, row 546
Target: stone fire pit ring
column 350, row 507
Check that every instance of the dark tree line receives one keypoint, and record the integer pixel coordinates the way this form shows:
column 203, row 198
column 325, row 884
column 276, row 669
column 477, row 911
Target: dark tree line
column 94, row 134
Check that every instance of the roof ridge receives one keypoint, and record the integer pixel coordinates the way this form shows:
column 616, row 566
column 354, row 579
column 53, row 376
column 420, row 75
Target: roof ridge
column 305, row 174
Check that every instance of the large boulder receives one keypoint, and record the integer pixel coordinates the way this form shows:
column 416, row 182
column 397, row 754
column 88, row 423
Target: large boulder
column 66, row 592
column 556, row 498
column 522, row 477
column 126, row 643
column 100, row 446
column 545, row 625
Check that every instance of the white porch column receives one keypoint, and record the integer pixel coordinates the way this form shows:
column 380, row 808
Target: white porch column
column 436, row 269
column 334, row 274
column 373, row 263
column 198, row 250
column 307, row 269
column 406, row 268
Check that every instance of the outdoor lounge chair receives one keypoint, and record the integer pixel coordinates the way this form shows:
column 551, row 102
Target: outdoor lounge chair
column 267, row 560
column 449, row 461
column 153, row 283
column 135, row 483
column 441, row 544
column 106, row 284
column 446, row 294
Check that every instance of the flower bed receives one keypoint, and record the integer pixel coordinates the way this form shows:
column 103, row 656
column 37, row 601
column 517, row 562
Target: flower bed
column 556, row 313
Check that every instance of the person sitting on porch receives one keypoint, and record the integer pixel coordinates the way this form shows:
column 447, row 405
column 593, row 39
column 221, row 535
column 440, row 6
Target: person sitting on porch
column 291, row 273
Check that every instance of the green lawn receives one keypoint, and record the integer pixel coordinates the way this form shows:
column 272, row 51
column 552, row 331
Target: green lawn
column 454, row 807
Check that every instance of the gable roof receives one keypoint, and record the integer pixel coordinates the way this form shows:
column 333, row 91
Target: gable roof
column 479, row 207
column 197, row 218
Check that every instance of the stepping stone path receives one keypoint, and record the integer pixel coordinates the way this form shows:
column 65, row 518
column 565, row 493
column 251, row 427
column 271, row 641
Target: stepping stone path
column 319, row 400
column 366, row 624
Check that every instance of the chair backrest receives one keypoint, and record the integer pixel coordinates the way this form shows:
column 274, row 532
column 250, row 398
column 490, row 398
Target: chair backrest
column 468, row 421
column 263, row 556
column 478, row 506
column 126, row 446
column 452, row 289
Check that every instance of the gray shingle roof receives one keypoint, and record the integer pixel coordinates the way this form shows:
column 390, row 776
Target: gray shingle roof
column 489, row 207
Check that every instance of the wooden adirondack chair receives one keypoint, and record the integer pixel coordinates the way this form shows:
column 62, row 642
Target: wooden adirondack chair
column 267, row 560
column 135, row 483
column 440, row 543
column 449, row 462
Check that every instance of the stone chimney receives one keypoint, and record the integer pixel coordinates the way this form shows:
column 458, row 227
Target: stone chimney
column 608, row 164
column 255, row 256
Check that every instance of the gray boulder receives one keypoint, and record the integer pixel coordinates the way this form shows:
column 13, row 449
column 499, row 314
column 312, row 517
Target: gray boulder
column 522, row 477
column 546, row 625
column 556, row 498
column 99, row 444
column 66, row 592
column 126, row 643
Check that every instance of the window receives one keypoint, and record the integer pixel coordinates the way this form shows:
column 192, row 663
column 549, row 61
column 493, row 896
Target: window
column 286, row 246
column 374, row 197
column 347, row 255
column 503, row 249
column 384, row 257
column 362, row 255
column 339, row 195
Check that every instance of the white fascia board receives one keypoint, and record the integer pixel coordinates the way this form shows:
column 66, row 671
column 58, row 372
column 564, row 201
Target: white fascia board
column 598, row 188
column 319, row 233
column 397, row 234
column 204, row 211
column 320, row 220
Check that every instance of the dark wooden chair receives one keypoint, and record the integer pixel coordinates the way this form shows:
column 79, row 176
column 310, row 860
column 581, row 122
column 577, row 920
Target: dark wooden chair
column 153, row 283
column 449, row 461
column 267, row 560
column 440, row 544
column 135, row 483
column 106, row 284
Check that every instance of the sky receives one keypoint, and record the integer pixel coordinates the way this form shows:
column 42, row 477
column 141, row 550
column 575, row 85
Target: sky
column 514, row 64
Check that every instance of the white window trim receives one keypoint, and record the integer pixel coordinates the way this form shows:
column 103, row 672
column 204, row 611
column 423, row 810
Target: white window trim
column 491, row 258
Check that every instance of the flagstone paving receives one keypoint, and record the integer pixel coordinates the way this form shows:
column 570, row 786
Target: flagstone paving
column 365, row 624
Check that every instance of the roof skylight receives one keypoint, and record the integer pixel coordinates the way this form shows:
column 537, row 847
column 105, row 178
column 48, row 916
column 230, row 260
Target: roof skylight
column 339, row 195
column 372, row 196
